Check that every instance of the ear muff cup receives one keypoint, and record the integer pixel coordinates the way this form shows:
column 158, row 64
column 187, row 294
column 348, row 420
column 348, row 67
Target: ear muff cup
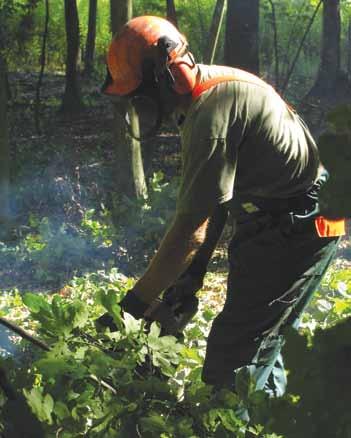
column 184, row 77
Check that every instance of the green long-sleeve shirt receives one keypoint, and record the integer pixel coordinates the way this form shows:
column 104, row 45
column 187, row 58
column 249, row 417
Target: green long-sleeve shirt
column 241, row 136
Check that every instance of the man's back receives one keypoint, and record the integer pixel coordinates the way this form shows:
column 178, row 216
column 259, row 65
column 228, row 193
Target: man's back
column 274, row 153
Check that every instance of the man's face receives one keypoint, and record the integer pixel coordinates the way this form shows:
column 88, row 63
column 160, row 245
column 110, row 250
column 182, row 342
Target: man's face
column 152, row 103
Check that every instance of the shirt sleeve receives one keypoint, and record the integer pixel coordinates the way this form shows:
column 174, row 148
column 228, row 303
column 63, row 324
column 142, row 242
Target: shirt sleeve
column 207, row 177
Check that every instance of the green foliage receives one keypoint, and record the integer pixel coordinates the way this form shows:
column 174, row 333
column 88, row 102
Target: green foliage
column 319, row 376
column 157, row 387
column 134, row 382
column 25, row 20
column 335, row 151
column 144, row 221
column 331, row 303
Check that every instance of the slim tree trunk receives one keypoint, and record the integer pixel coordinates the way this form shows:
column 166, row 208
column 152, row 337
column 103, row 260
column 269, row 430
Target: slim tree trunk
column 121, row 11
column 42, row 68
column 130, row 177
column 298, row 51
column 171, row 12
column 4, row 155
column 275, row 44
column 203, row 30
column 329, row 69
column 241, row 37
column 72, row 102
column 215, row 29
column 349, row 50
column 90, row 42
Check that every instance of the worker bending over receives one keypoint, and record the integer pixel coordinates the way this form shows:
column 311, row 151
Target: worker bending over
column 247, row 154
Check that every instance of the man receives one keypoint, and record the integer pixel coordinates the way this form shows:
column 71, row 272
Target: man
column 245, row 153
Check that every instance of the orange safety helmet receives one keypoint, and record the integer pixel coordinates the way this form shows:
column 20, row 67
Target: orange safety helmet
column 149, row 38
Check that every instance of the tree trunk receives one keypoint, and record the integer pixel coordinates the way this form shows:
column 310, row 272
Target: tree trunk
column 72, row 102
column 349, row 50
column 130, row 177
column 298, row 51
column 215, row 29
column 90, row 42
column 203, row 29
column 241, row 37
column 4, row 155
column 171, row 12
column 121, row 11
column 329, row 69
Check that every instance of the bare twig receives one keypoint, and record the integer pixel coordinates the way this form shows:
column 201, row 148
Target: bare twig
column 275, row 38
column 42, row 68
column 215, row 29
column 287, row 79
column 58, row 432
column 292, row 37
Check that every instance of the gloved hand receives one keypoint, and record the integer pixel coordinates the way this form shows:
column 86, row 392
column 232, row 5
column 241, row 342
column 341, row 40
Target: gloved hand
column 181, row 299
column 178, row 306
column 183, row 290
column 130, row 304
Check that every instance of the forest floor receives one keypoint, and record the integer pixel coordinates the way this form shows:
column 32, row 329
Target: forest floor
column 65, row 171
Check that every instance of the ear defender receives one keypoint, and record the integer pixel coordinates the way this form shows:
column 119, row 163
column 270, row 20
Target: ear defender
column 184, row 75
column 177, row 64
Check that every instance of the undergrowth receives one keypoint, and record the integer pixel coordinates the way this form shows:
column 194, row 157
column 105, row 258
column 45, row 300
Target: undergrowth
column 136, row 383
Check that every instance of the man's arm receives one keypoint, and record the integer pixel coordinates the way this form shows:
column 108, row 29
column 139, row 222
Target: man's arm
column 198, row 266
column 188, row 245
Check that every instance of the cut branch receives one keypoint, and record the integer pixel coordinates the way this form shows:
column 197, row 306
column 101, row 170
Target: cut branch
column 24, row 334
column 35, row 341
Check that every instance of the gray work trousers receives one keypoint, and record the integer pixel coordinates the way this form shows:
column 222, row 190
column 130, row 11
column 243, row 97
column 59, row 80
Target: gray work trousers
column 275, row 265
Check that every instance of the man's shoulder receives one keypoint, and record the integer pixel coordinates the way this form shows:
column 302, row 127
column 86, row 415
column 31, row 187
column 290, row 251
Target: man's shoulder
column 207, row 72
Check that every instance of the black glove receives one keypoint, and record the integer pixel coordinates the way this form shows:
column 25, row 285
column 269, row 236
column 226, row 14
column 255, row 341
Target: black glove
column 130, row 304
column 183, row 290
column 177, row 308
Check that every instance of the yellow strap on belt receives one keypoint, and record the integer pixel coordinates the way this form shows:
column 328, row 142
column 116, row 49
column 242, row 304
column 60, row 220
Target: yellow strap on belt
column 330, row 227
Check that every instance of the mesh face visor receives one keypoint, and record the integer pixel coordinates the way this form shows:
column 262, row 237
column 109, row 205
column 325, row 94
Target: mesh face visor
column 140, row 113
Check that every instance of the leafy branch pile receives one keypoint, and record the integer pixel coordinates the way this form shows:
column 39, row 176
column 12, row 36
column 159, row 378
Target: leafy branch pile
column 135, row 383
column 151, row 384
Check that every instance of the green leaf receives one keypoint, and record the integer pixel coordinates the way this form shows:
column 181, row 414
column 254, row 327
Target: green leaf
column 61, row 410
column 208, row 314
column 78, row 314
column 154, row 423
column 155, row 330
column 131, row 324
column 42, row 406
column 109, row 301
column 53, row 367
column 340, row 306
column 35, row 302
column 229, row 420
